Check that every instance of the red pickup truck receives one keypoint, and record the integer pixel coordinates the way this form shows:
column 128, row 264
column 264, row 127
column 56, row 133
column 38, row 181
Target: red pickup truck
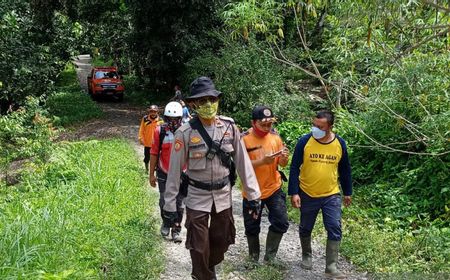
column 105, row 81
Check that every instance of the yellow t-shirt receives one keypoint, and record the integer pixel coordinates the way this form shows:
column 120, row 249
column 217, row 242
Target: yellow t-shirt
column 269, row 179
column 319, row 171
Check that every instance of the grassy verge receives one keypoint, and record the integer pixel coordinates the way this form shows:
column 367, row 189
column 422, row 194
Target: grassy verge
column 385, row 248
column 69, row 104
column 82, row 215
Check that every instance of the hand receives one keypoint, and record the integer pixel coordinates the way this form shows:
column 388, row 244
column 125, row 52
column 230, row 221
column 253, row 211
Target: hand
column 347, row 200
column 285, row 154
column 284, row 157
column 171, row 217
column 152, row 180
column 142, row 142
column 268, row 159
column 296, row 201
column 254, row 207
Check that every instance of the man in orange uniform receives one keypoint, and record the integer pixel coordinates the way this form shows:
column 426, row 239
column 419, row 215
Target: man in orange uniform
column 146, row 130
column 266, row 151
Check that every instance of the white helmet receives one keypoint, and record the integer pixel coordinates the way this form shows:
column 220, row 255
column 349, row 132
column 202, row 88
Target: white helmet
column 173, row 109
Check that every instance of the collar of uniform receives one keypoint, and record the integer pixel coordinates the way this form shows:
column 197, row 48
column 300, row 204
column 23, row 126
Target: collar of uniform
column 147, row 118
column 219, row 122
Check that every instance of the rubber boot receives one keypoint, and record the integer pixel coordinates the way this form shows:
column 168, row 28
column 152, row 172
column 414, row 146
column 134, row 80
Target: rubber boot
column 332, row 253
column 272, row 244
column 253, row 247
column 306, row 262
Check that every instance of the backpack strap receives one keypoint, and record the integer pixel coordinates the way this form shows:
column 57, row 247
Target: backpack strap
column 162, row 135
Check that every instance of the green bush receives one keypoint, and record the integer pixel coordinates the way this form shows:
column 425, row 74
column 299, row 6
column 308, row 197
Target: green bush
column 247, row 78
column 33, row 53
column 25, row 133
column 388, row 248
column 291, row 131
column 85, row 214
column 412, row 119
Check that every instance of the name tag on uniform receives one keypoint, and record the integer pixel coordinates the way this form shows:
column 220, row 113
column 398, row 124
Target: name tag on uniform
column 198, row 146
column 196, row 154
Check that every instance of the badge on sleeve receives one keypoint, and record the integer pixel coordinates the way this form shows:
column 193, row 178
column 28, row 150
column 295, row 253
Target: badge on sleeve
column 178, row 145
column 195, row 140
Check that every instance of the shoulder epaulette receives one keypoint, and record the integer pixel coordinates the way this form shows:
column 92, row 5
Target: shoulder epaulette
column 184, row 127
column 223, row 118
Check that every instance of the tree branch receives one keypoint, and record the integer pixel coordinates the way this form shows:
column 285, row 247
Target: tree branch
column 439, row 7
column 439, row 26
column 427, row 39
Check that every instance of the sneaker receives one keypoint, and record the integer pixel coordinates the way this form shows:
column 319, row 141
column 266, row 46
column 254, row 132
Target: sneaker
column 164, row 230
column 176, row 236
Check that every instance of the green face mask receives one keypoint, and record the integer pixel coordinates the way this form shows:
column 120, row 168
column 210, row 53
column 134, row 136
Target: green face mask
column 208, row 110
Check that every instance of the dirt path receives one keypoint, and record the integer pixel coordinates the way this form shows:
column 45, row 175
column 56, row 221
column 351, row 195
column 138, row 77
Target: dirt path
column 122, row 120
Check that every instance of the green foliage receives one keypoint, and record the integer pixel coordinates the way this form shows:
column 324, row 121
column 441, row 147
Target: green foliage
column 25, row 133
column 412, row 122
column 69, row 104
column 85, row 214
column 177, row 30
column 388, row 248
column 247, row 78
column 270, row 272
column 386, row 65
column 68, row 79
column 138, row 95
column 259, row 16
column 69, row 107
column 99, row 61
column 30, row 58
column 291, row 131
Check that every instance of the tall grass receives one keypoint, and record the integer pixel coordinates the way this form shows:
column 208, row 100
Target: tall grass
column 83, row 215
column 69, row 104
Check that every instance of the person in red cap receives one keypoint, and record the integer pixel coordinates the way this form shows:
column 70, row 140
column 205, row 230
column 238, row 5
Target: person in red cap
column 148, row 125
column 267, row 152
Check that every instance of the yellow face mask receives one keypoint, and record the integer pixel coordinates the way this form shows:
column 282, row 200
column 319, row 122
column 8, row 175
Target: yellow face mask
column 208, row 110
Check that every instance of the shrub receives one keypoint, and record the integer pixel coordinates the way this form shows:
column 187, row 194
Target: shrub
column 25, row 133
column 247, row 78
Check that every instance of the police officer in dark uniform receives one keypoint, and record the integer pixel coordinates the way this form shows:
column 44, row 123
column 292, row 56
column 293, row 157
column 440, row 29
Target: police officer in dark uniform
column 208, row 145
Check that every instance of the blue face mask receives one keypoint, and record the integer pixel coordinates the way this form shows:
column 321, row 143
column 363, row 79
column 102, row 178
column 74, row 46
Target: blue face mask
column 318, row 133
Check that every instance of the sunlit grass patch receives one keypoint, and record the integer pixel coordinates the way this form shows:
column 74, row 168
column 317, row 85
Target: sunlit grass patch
column 84, row 215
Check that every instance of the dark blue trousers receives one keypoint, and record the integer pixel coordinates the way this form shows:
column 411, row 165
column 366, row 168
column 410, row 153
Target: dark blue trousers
column 331, row 214
column 276, row 204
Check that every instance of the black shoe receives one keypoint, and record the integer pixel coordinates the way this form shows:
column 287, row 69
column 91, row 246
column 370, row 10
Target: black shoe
column 165, row 230
column 176, row 236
